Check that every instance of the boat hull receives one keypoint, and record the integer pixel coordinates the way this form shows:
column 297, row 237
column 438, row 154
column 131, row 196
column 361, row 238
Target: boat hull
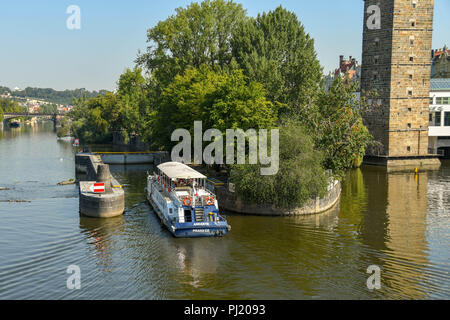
column 191, row 229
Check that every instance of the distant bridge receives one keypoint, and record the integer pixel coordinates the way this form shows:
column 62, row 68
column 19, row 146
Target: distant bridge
column 51, row 116
column 9, row 115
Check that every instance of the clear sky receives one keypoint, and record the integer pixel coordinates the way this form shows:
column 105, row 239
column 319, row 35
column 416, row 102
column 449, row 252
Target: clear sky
column 38, row 50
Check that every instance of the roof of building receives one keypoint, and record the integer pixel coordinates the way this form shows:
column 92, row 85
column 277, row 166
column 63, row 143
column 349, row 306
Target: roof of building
column 439, row 52
column 442, row 84
column 177, row 170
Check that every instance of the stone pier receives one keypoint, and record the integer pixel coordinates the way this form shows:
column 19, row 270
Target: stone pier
column 111, row 203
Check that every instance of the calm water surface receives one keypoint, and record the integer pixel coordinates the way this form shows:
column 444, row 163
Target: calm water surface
column 398, row 221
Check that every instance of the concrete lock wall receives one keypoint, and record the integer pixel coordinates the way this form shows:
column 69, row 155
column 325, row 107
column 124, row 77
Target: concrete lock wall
column 127, row 158
column 124, row 158
column 231, row 202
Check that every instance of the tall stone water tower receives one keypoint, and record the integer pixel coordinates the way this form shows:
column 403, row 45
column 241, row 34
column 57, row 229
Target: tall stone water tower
column 396, row 63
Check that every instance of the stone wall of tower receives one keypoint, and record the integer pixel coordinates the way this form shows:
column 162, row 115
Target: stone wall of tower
column 375, row 71
column 410, row 80
column 396, row 63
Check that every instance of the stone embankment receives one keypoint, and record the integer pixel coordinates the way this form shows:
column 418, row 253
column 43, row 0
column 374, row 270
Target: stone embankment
column 229, row 201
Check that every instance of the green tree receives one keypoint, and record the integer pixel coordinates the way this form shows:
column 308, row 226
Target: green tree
column 54, row 96
column 334, row 119
column 9, row 106
column 92, row 118
column 218, row 99
column 133, row 105
column 275, row 50
column 301, row 175
column 48, row 108
column 126, row 111
column 198, row 34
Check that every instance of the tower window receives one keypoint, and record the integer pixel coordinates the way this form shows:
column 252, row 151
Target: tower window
column 411, row 59
column 408, row 148
column 409, row 125
column 410, row 92
column 413, row 24
column 410, row 77
column 409, row 109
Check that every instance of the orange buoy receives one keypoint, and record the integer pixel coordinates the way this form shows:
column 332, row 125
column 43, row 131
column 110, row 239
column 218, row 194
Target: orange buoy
column 209, row 201
column 187, row 201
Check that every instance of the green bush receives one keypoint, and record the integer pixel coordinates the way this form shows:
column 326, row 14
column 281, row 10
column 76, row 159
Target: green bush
column 301, row 175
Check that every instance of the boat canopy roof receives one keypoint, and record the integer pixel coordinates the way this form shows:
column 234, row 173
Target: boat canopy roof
column 177, row 170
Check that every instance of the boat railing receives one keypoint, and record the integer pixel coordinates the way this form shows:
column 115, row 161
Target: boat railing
column 196, row 199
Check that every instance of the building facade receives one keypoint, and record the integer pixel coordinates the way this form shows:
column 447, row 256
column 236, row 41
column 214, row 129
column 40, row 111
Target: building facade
column 439, row 118
column 441, row 63
column 396, row 65
column 349, row 70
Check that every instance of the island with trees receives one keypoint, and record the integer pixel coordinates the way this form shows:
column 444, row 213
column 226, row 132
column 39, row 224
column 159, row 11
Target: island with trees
column 211, row 62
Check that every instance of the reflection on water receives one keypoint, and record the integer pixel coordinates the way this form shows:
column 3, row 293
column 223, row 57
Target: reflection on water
column 399, row 222
column 405, row 234
column 101, row 234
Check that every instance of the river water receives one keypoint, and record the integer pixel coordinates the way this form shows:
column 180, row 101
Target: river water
column 399, row 222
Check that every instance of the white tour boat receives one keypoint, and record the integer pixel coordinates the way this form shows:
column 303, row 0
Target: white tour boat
column 180, row 199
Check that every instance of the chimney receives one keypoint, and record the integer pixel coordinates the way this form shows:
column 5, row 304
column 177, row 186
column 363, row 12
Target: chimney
column 341, row 60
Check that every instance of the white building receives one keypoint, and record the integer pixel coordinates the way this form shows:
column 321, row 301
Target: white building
column 439, row 126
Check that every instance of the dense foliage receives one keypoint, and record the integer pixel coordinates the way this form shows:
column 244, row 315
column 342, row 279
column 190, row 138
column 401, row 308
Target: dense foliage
column 96, row 119
column 199, row 34
column 301, row 175
column 334, row 119
column 65, row 129
column 220, row 100
column 51, row 95
column 274, row 49
column 8, row 106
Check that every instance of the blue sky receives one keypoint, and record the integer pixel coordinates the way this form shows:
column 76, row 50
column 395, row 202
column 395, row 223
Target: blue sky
column 36, row 48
